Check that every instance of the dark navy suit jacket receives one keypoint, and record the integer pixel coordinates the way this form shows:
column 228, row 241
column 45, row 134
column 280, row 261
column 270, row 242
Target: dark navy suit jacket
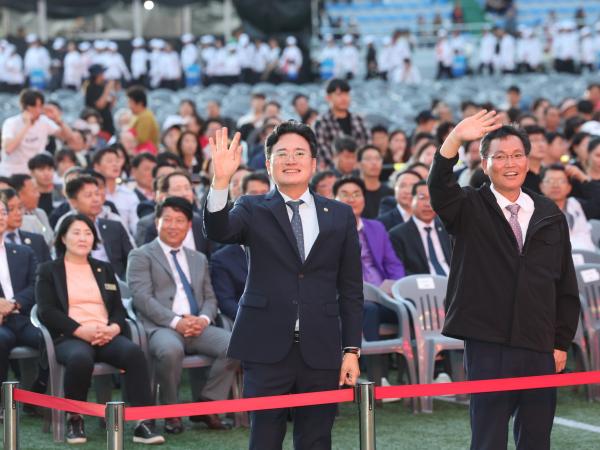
column 391, row 218
column 325, row 291
column 22, row 265
column 37, row 243
column 228, row 272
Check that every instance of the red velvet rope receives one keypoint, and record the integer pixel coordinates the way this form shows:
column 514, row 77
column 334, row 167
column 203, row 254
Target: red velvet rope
column 312, row 398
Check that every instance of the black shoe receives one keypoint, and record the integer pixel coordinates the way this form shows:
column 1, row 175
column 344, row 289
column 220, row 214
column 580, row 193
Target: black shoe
column 174, row 425
column 75, row 430
column 145, row 433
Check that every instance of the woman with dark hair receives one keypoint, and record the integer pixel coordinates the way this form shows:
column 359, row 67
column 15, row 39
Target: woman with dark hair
column 100, row 95
column 190, row 152
column 124, row 160
column 399, row 146
column 187, row 108
column 79, row 302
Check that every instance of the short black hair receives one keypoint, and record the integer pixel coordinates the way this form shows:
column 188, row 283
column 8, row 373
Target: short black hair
column 572, row 124
column 337, row 84
column 514, row 88
column 178, row 204
column 141, row 157
column 98, row 155
column 298, row 97
column 97, row 175
column 443, row 130
column 163, row 186
column 379, row 128
column 467, row 104
column 291, row 127
column 65, row 224
column 91, row 112
column 259, row 175
column 347, row 180
column 551, row 136
column 320, row 176
column 408, row 172
column 18, row 180
column 158, row 166
column 415, row 164
column 416, row 186
column 7, row 195
column 344, row 143
column 74, row 186
column 364, row 148
column 273, row 103
column 29, row 97
column 138, row 95
column 41, row 161
column 557, row 167
column 585, row 107
column 501, row 133
column 594, row 142
column 66, row 153
column 170, row 158
column 534, row 129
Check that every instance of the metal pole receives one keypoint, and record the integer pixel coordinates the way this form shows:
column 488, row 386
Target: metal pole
column 136, row 12
column 364, row 394
column 11, row 416
column 5, row 21
column 115, row 414
column 186, row 19
column 227, row 22
column 42, row 9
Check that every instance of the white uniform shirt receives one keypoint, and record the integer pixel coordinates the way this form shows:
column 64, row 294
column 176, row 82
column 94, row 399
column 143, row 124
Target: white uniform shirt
column 507, row 52
column 33, row 143
column 246, row 55
column 487, row 48
column 74, row 69
column 170, row 66
column 139, row 62
column 291, row 60
column 588, row 51
column 13, row 70
column 189, row 55
column 581, row 230
column 116, row 67
column 261, row 59
column 443, row 53
column 349, row 60
column 37, row 58
column 126, row 202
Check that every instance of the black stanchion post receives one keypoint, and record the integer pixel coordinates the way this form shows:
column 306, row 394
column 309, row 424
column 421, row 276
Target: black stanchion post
column 115, row 420
column 364, row 395
column 11, row 416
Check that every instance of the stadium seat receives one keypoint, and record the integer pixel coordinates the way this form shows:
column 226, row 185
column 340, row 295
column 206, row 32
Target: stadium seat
column 585, row 257
column 595, row 232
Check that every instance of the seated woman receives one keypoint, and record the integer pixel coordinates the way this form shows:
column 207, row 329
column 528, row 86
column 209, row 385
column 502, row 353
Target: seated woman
column 79, row 301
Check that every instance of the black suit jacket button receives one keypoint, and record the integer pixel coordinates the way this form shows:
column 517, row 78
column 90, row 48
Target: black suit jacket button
column 300, row 275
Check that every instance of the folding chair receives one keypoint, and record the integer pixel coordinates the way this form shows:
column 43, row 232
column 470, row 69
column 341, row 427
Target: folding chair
column 585, row 257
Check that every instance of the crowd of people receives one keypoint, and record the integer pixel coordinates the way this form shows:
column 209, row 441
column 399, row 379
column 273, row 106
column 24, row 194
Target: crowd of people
column 107, row 200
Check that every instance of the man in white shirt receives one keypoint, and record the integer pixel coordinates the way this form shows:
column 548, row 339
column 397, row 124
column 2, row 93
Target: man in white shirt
column 37, row 59
column 26, row 134
column 139, row 61
column 402, row 211
column 487, row 48
column 290, row 61
column 174, row 298
column 556, row 185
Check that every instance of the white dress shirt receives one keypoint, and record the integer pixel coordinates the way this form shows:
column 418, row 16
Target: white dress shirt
column 525, row 211
column 181, row 305
column 5, row 280
column 581, row 231
column 217, row 199
column 437, row 245
column 405, row 214
column 126, row 202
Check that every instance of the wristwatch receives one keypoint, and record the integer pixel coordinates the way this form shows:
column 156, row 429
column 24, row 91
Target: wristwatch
column 354, row 350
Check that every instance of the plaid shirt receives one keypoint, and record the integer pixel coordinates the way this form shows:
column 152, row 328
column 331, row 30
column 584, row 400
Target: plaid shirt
column 328, row 129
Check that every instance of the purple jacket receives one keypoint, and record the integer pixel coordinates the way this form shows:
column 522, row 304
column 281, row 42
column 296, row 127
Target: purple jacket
column 382, row 251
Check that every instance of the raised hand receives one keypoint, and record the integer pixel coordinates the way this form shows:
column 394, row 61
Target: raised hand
column 225, row 159
column 476, row 126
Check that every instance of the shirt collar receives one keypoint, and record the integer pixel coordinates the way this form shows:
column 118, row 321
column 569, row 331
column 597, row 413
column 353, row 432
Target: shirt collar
column 405, row 215
column 524, row 200
column 167, row 248
column 421, row 225
column 360, row 224
column 306, row 197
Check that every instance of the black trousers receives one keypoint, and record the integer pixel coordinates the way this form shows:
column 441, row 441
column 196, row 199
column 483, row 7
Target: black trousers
column 79, row 356
column 16, row 330
column 490, row 413
column 312, row 424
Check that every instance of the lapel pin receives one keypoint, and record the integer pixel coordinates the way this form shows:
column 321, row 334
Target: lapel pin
column 326, row 209
column 27, row 241
column 43, row 229
column 99, row 269
column 104, row 226
column 14, row 251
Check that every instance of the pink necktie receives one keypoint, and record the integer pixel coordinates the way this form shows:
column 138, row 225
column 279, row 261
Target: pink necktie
column 514, row 224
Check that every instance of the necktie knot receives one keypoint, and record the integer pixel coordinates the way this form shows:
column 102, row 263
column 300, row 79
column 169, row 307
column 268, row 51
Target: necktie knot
column 11, row 236
column 295, row 205
column 428, row 229
column 174, row 252
column 513, row 209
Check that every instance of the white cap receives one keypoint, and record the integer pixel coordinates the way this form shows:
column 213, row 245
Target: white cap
column 31, row 38
column 187, row 38
column 138, row 42
column 442, row 33
column 157, row 43
column 112, row 45
column 244, row 39
column 370, row 39
column 100, row 44
column 173, row 121
column 291, row 40
column 59, row 43
column 585, row 31
column 347, row 39
column 328, row 37
column 9, row 48
column 591, row 127
column 231, row 47
column 84, row 46
column 207, row 39
column 387, row 40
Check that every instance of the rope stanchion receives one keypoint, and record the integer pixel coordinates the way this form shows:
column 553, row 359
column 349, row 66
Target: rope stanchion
column 365, row 397
column 11, row 416
column 115, row 425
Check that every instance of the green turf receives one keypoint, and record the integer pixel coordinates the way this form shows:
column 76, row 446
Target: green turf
column 396, row 428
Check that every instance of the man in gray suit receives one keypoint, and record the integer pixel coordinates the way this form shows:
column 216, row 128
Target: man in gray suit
column 173, row 296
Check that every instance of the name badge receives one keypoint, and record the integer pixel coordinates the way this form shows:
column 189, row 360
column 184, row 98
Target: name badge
column 110, row 286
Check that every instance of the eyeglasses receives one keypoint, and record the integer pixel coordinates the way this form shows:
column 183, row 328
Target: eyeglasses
column 559, row 182
column 503, row 159
column 353, row 196
column 296, row 155
column 423, row 197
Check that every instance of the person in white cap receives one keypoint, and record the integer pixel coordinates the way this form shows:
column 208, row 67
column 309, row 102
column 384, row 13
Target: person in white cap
column 207, row 54
column 215, row 64
column 74, row 68
column 588, row 50
column 506, row 52
column 100, row 55
column 170, row 67
column 487, row 48
column 401, row 49
column 443, row 55
column 139, row 62
column 384, row 58
column 271, row 73
column 36, row 62
column 329, row 58
column 190, row 60
column 232, row 70
column 407, row 74
column 13, row 76
column 349, row 58
column 261, row 60
column 290, row 62
column 569, row 50
column 56, row 63
column 87, row 56
column 246, row 54
column 522, row 50
column 116, row 69
column 156, row 46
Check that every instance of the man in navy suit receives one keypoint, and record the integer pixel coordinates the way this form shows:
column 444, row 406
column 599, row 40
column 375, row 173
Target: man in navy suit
column 402, row 210
column 14, row 235
column 422, row 243
column 17, row 276
column 299, row 322
column 228, row 265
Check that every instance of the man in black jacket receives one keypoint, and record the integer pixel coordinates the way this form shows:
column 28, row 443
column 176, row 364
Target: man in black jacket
column 512, row 291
